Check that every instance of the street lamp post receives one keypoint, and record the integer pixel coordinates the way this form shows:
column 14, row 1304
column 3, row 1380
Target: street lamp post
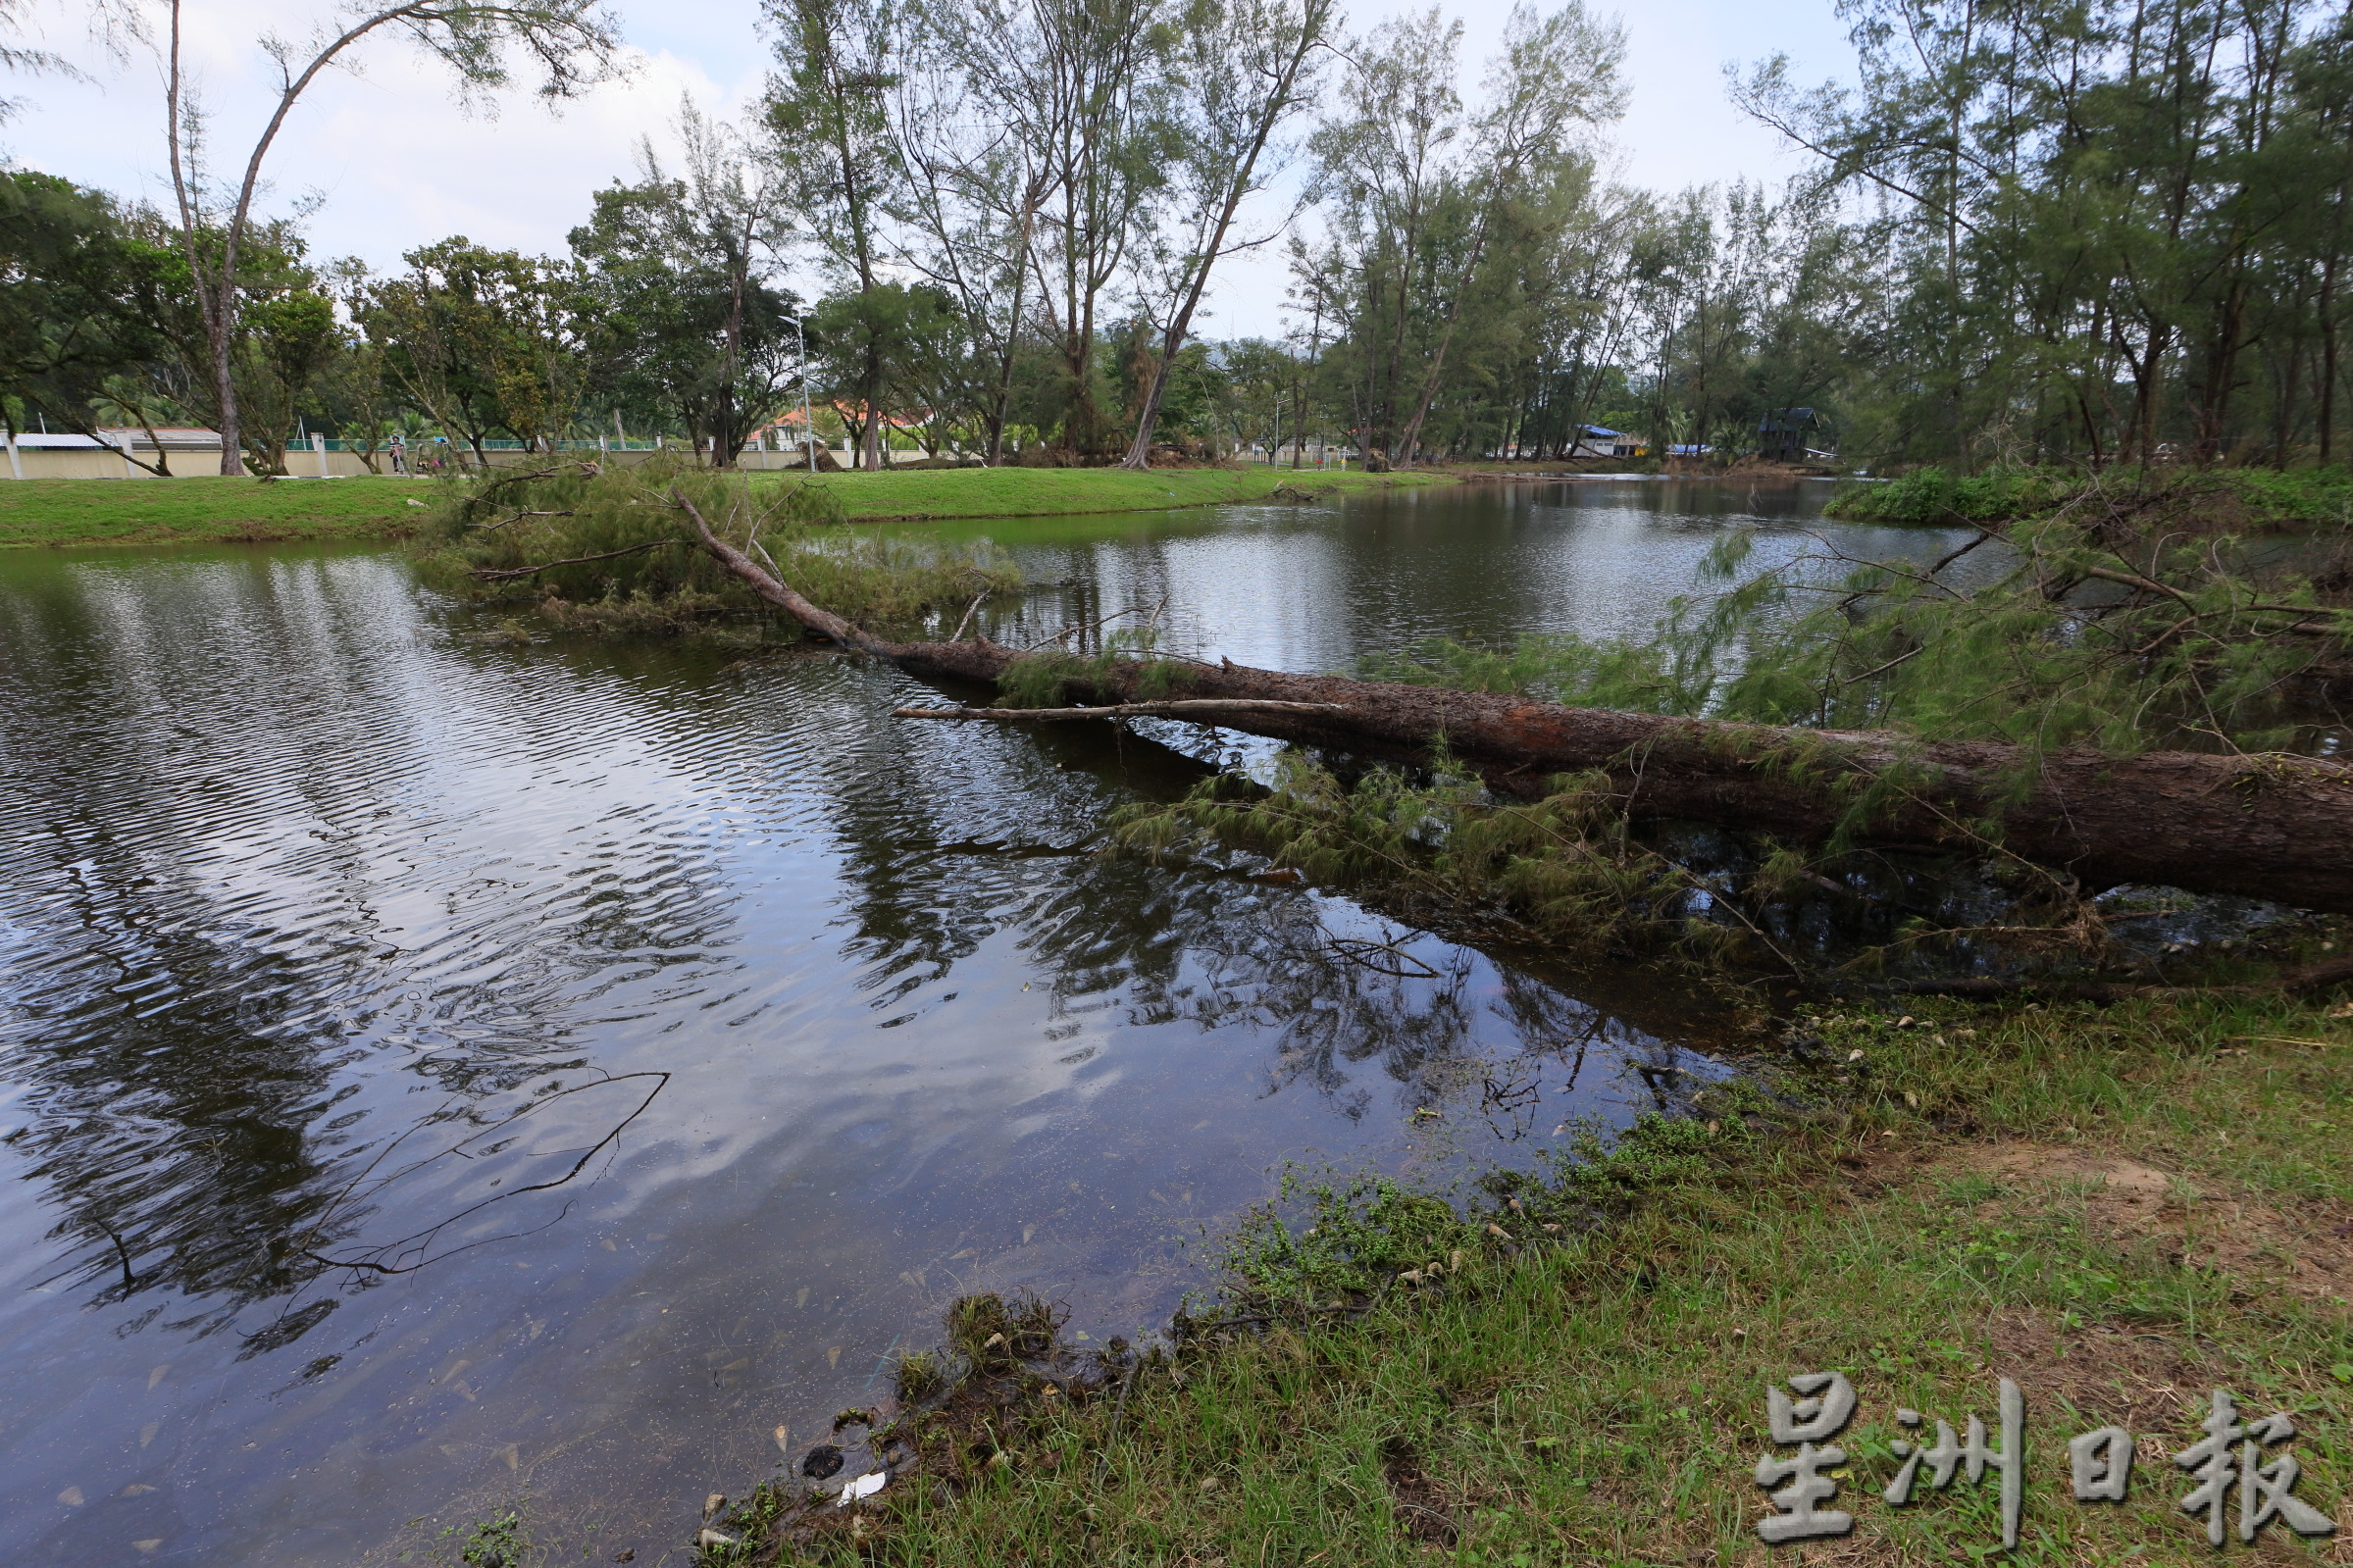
column 808, row 422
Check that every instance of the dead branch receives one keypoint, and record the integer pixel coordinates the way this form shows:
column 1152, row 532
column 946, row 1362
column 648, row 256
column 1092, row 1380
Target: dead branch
column 578, row 560
column 2134, row 580
column 1201, row 708
column 493, row 528
column 1070, row 631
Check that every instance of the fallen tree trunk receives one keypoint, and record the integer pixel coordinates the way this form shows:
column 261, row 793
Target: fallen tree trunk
column 2274, row 827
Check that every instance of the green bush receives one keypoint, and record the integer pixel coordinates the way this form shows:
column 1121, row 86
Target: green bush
column 615, row 549
column 1935, row 496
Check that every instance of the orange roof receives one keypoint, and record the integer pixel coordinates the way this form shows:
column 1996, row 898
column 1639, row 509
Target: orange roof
column 847, row 412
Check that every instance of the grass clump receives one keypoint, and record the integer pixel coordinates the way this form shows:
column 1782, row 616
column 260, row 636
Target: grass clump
column 918, row 1376
column 610, row 549
column 988, row 1332
column 2120, row 1209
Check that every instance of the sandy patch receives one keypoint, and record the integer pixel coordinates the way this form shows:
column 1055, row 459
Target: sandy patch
column 2196, row 1222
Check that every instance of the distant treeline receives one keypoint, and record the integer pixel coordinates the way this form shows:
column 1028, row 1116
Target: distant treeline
column 2035, row 233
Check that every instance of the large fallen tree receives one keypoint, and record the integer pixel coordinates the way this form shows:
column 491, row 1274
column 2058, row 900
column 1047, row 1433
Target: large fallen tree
column 2273, row 826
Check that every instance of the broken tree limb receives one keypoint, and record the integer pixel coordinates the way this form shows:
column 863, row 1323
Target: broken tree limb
column 503, row 573
column 2271, row 826
column 1209, row 710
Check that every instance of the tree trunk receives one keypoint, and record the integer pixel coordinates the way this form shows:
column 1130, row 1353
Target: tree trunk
column 2277, row 828
column 225, row 390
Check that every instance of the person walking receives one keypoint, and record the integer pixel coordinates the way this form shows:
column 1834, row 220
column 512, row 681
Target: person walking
column 400, row 450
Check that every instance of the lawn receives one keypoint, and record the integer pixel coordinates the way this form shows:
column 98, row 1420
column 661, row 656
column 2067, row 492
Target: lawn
column 943, row 493
column 207, row 510
column 212, row 510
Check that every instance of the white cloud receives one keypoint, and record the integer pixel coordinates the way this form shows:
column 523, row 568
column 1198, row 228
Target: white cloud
column 397, row 161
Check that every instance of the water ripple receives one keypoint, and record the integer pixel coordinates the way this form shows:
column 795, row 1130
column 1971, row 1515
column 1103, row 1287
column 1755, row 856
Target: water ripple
column 331, row 938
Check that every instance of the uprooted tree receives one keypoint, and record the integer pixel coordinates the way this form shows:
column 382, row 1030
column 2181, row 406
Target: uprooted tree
column 2271, row 826
column 1798, row 727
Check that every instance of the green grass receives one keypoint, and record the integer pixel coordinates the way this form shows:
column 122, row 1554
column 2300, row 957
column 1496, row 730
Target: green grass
column 201, row 510
column 945, row 493
column 207, row 510
column 1922, row 1208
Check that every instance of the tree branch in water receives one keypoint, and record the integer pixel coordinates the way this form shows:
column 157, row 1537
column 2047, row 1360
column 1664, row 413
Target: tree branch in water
column 1201, row 708
column 578, row 560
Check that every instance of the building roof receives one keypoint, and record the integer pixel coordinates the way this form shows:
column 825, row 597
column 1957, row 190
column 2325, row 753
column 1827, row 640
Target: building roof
column 116, row 437
column 789, row 418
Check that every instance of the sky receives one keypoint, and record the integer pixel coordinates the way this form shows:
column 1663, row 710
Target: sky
column 391, row 163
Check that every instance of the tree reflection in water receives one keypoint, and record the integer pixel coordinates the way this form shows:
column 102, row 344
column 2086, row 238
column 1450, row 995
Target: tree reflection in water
column 1221, row 950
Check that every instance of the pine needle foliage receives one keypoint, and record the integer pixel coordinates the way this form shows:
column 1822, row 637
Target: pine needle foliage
column 2061, row 629
column 608, row 547
column 1939, row 496
column 2093, row 623
column 2205, row 500
column 1056, row 678
column 1566, row 869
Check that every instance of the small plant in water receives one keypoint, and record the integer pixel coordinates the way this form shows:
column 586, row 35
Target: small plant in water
column 919, row 1377
column 495, row 1542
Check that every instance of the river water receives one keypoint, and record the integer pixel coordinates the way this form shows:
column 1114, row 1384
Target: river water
column 438, row 1069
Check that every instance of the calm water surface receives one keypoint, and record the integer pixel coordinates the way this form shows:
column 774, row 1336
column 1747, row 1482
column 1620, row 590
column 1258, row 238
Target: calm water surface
column 435, row 1070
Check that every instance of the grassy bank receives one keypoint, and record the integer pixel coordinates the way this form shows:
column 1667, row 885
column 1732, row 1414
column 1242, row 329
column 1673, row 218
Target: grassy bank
column 212, row 510
column 2120, row 1209
column 207, row 510
column 926, row 494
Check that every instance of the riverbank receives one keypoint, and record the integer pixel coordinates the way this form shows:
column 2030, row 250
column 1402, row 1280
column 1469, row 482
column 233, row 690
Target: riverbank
column 946, row 494
column 211, row 510
column 2120, row 1209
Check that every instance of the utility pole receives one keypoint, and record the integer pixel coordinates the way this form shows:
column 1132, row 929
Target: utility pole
column 809, row 422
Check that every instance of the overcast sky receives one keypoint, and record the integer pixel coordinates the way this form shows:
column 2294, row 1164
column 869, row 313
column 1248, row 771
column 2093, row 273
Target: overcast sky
column 395, row 165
